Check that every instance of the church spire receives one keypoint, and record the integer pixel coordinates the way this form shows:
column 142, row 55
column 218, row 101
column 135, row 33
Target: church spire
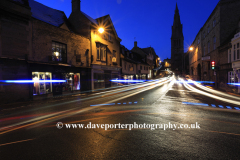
column 176, row 21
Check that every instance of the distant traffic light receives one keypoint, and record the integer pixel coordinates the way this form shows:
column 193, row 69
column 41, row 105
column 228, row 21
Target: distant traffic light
column 213, row 64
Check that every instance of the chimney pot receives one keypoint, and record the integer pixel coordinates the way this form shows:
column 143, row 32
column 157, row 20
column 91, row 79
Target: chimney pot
column 135, row 43
column 76, row 5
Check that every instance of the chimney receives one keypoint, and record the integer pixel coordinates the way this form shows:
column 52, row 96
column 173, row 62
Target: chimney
column 135, row 43
column 76, row 5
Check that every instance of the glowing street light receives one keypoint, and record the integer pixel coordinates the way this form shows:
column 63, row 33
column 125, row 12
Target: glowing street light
column 101, row 30
column 191, row 48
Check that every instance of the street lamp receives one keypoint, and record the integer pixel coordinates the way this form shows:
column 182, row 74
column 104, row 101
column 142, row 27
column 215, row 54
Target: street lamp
column 191, row 48
column 101, row 30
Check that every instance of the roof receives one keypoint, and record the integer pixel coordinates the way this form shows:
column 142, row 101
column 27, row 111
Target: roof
column 90, row 18
column 47, row 14
column 148, row 50
column 23, row 2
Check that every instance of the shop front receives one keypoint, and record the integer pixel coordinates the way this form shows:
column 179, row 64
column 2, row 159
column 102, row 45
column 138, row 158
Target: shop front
column 45, row 76
column 102, row 76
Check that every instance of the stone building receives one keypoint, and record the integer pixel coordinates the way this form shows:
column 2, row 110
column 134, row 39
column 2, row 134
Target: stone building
column 57, row 53
column 15, row 49
column 177, row 40
column 148, row 56
column 133, row 66
column 234, row 59
column 211, row 44
column 104, row 50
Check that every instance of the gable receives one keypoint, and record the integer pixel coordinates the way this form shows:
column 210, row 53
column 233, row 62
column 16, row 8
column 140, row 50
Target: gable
column 64, row 26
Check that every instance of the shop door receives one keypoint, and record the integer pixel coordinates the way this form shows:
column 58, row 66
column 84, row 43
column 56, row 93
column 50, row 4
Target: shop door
column 107, row 79
column 57, row 86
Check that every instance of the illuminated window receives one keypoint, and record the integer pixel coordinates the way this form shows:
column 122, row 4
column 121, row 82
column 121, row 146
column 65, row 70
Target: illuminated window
column 41, row 87
column 59, row 52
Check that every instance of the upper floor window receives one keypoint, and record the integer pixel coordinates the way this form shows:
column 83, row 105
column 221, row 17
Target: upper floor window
column 237, row 45
column 198, row 40
column 204, row 50
column 141, row 67
column 101, row 52
column 109, row 36
column 214, row 23
column 234, row 55
column 238, row 54
column 203, row 34
column 229, row 57
column 208, row 46
column 59, row 52
column 214, row 42
column 208, row 29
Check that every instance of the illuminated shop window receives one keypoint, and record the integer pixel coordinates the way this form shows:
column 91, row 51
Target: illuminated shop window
column 72, row 81
column 42, row 87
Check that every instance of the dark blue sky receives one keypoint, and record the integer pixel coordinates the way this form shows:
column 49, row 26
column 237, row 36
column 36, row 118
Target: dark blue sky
column 150, row 21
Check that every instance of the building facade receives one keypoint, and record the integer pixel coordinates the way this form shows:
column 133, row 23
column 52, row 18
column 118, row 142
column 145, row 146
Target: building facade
column 104, row 51
column 147, row 56
column 212, row 44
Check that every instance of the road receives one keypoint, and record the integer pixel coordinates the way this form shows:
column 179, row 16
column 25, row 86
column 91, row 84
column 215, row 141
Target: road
column 172, row 119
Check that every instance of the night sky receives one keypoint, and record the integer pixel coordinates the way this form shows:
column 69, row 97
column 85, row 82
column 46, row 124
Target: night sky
column 149, row 21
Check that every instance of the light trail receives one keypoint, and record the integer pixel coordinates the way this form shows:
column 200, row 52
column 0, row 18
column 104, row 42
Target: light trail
column 74, row 111
column 210, row 95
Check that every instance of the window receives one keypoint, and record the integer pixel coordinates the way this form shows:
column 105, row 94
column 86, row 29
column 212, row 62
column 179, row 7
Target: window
column 214, row 42
column 129, row 67
column 231, row 77
column 141, row 67
column 208, row 46
column 59, row 52
column 78, row 58
column 114, row 54
column 237, row 45
column 198, row 40
column 203, row 34
column 234, row 55
column 41, row 87
column 238, row 54
column 125, row 66
column 229, row 58
column 204, row 50
column 101, row 52
column 214, row 23
column 72, row 81
column 208, row 29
